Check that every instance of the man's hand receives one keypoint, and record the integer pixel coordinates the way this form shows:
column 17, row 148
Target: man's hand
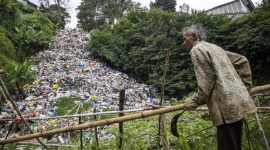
column 190, row 104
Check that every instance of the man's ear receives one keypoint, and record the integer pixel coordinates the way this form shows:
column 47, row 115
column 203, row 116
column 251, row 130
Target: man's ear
column 194, row 37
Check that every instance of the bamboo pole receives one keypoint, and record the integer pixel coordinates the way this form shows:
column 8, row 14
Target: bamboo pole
column 261, row 130
column 96, row 129
column 135, row 116
column 9, row 130
column 161, row 120
column 259, row 89
column 81, row 134
column 69, row 137
column 121, row 108
column 9, row 99
column 95, row 124
column 49, row 145
column 87, row 114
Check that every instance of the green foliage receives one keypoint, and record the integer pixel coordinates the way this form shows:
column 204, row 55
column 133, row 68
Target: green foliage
column 57, row 14
column 21, row 75
column 194, row 128
column 32, row 35
column 137, row 135
column 250, row 36
column 6, row 46
column 8, row 66
column 137, row 45
column 8, row 13
column 66, row 104
column 93, row 13
column 23, row 32
column 167, row 5
column 190, row 128
column 12, row 146
column 39, row 22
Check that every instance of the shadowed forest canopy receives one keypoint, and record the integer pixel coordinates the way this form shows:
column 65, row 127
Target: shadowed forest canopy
column 137, row 44
column 167, row 5
column 96, row 13
column 24, row 31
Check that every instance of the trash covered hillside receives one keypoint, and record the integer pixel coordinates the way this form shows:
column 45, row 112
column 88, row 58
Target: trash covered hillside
column 66, row 69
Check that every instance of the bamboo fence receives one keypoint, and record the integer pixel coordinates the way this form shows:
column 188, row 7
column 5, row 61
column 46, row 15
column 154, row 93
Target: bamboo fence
column 135, row 116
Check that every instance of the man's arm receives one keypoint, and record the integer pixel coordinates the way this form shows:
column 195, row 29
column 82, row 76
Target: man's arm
column 205, row 75
column 242, row 68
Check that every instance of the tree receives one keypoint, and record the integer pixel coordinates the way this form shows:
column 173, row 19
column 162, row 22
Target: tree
column 57, row 2
column 184, row 8
column 8, row 13
column 136, row 45
column 114, row 9
column 59, row 14
column 23, row 32
column 167, row 5
column 87, row 15
column 22, row 74
column 95, row 13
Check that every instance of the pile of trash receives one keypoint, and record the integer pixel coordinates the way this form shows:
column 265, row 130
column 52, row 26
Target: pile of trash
column 66, row 69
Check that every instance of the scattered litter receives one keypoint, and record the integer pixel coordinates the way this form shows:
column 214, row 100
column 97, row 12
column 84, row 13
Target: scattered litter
column 66, row 69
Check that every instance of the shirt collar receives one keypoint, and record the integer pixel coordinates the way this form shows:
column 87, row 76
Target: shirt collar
column 195, row 43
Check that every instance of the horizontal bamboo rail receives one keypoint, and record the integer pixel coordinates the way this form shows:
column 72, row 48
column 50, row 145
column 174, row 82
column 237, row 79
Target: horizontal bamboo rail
column 95, row 124
column 259, row 89
column 49, row 145
column 143, row 114
column 82, row 115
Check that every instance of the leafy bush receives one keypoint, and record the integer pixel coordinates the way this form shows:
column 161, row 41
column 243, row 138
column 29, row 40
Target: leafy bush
column 6, row 46
column 8, row 13
column 8, row 66
column 39, row 21
column 67, row 105
column 32, row 34
column 250, row 37
column 137, row 45
column 23, row 32
column 57, row 14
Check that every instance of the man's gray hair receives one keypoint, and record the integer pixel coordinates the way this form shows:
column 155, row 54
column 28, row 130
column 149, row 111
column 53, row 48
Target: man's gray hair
column 197, row 30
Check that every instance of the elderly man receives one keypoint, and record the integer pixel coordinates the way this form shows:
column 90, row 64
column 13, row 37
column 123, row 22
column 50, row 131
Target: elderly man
column 223, row 81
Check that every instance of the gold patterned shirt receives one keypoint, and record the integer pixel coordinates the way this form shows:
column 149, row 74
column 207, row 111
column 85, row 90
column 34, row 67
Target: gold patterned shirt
column 223, row 79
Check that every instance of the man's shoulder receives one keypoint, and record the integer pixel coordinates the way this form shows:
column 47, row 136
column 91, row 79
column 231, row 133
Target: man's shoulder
column 202, row 46
column 206, row 48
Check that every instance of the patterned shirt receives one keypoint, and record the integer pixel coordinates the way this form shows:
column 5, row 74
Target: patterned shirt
column 223, row 79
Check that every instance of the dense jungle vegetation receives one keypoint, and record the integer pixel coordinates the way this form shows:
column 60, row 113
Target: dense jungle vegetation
column 24, row 31
column 138, row 42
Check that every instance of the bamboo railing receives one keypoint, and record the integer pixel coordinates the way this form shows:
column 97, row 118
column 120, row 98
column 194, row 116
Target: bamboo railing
column 135, row 116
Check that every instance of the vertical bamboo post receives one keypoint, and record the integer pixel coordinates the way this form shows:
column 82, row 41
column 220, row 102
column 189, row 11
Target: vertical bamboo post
column 261, row 130
column 1, row 95
column 96, row 129
column 69, row 138
column 121, row 108
column 81, row 138
column 9, row 130
column 161, row 129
